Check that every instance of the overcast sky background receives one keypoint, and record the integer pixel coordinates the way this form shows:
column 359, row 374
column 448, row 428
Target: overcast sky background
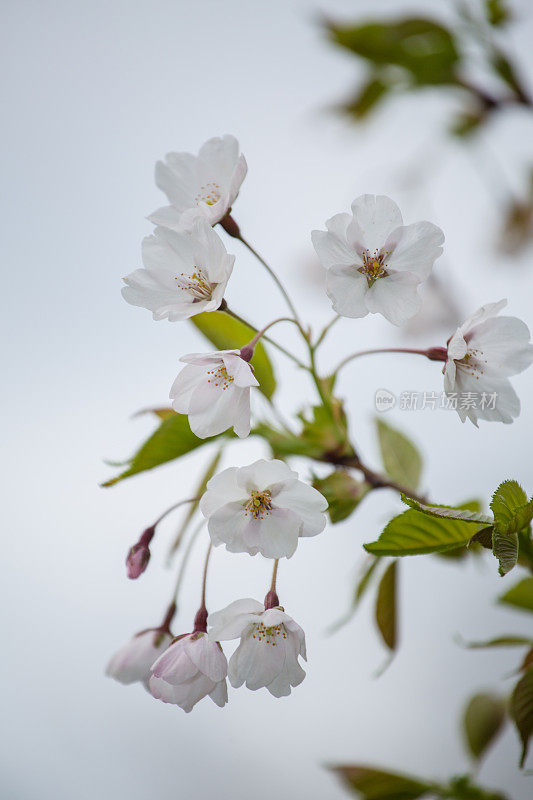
column 94, row 94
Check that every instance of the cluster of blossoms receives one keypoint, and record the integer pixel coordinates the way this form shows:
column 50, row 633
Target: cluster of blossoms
column 374, row 264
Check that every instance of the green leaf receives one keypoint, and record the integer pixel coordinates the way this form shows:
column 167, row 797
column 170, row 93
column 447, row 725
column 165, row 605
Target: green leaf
column 386, row 610
column 342, row 492
column 448, row 512
column 227, row 333
column 505, row 549
column 498, row 12
column 172, row 439
column 520, row 595
column 367, row 98
column 462, row 788
column 501, row 641
column 200, row 489
column 360, row 589
column 510, row 507
column 377, row 784
column 522, row 710
column 423, row 48
column 401, row 459
column 414, row 533
column 483, row 719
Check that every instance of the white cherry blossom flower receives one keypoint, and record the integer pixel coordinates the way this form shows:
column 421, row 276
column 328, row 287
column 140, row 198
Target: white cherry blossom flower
column 205, row 185
column 482, row 354
column 134, row 659
column 374, row 262
column 262, row 508
column 184, row 273
column 190, row 669
column 267, row 654
column 214, row 390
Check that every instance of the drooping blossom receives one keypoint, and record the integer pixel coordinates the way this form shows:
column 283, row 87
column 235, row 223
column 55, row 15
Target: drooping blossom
column 481, row 355
column 191, row 668
column 214, row 390
column 184, row 273
column 374, row 262
column 204, row 186
column 270, row 645
column 133, row 661
column 262, row 508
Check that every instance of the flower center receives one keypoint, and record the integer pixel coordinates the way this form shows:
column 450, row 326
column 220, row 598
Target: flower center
column 197, row 284
column 259, row 505
column 473, row 362
column 220, row 377
column 269, row 635
column 374, row 266
column 209, row 194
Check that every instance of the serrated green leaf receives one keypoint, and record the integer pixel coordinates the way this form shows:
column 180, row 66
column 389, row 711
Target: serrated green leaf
column 377, row 784
column 520, row 595
column 505, row 549
column 386, row 606
column 483, row 719
column 510, row 507
column 522, row 710
column 172, row 439
column 414, row 533
column 227, row 333
column 422, row 47
column 342, row 492
column 447, row 512
column 401, row 459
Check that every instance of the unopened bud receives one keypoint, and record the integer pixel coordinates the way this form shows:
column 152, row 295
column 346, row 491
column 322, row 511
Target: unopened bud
column 200, row 620
column 271, row 600
column 230, row 226
column 139, row 555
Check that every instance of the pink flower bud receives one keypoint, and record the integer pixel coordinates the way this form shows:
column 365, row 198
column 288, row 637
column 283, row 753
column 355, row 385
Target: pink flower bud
column 139, row 555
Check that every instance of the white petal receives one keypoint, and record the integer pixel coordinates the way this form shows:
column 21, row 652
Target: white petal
column 256, row 663
column 331, row 247
column 504, row 342
column 263, row 474
column 177, row 178
column 183, row 387
column 279, row 531
column 167, row 217
column 414, row 248
column 346, row 288
column 483, row 313
column 457, row 347
column 395, row 296
column 375, row 217
column 230, row 622
column 175, row 666
column 307, row 503
column 221, row 489
column 134, row 659
column 219, row 695
column 239, row 370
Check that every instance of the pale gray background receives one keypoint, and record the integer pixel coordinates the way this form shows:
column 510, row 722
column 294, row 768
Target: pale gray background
column 94, row 93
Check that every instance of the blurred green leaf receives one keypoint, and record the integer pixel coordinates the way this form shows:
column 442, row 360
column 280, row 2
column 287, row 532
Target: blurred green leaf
column 227, row 333
column 377, row 784
column 510, row 507
column 501, row 641
column 401, row 459
column 360, row 589
column 342, row 492
column 414, row 533
column 200, row 489
column 468, row 123
column 528, row 661
column 172, row 439
column 498, row 12
column 422, row 47
column 520, row 595
column 505, row 69
column 522, row 710
column 386, row 606
column 462, row 788
column 367, row 98
column 483, row 719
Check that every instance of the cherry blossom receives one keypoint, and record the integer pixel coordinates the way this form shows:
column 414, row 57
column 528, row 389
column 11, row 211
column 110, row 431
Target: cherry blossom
column 214, row 390
column 184, row 273
column 482, row 354
column 204, row 186
column 374, row 262
column 262, row 508
column 133, row 661
column 270, row 645
column 191, row 668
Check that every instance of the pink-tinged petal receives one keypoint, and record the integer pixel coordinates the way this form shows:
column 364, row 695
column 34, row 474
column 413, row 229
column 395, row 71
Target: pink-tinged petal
column 175, row 666
column 395, row 297
column 347, row 288
column 207, row 656
column 414, row 248
column 133, row 661
column 374, row 219
column 230, row 622
column 504, row 345
column 307, row 503
column 219, row 695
